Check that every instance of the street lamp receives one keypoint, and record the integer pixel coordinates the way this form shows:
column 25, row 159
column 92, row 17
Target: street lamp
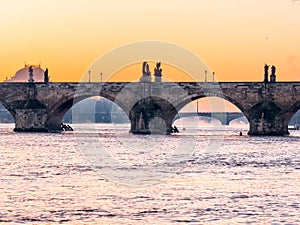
column 101, row 77
column 205, row 79
column 89, row 76
column 213, row 76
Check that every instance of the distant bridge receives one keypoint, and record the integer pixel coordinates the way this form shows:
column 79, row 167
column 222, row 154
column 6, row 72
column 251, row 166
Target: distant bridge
column 224, row 117
column 109, row 117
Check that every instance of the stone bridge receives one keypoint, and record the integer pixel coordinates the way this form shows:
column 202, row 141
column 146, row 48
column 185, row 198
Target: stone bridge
column 151, row 106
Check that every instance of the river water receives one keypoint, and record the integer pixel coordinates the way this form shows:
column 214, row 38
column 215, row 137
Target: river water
column 101, row 174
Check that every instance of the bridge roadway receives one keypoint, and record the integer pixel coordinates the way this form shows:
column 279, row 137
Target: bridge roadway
column 151, row 106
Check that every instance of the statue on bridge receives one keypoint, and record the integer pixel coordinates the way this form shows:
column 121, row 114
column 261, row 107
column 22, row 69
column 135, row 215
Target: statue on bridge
column 266, row 80
column 146, row 77
column 273, row 76
column 30, row 70
column 46, row 76
column 158, row 72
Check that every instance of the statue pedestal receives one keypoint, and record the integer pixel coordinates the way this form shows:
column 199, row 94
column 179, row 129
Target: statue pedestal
column 157, row 79
column 273, row 78
column 145, row 79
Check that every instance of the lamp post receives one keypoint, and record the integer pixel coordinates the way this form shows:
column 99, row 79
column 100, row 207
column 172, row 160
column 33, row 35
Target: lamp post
column 101, row 77
column 89, row 76
column 213, row 77
column 205, row 78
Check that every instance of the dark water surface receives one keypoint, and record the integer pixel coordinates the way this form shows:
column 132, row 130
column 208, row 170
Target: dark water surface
column 101, row 174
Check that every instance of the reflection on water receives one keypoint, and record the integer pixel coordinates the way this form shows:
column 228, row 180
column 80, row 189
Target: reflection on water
column 202, row 175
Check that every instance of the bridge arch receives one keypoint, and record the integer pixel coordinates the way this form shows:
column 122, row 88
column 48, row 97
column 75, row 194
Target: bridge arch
column 57, row 111
column 5, row 114
column 291, row 112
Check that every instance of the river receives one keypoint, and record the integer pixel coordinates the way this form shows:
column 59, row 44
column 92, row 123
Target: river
column 101, row 174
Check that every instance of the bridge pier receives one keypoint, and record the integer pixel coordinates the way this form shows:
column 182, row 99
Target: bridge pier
column 267, row 118
column 261, row 126
column 152, row 116
column 155, row 125
column 31, row 116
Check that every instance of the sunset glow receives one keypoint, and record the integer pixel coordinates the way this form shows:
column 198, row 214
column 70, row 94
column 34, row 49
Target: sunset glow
column 234, row 38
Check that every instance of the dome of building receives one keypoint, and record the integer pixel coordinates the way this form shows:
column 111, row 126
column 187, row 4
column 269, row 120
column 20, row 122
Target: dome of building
column 22, row 75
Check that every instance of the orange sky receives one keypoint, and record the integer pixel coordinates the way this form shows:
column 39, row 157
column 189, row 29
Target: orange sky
column 234, row 38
